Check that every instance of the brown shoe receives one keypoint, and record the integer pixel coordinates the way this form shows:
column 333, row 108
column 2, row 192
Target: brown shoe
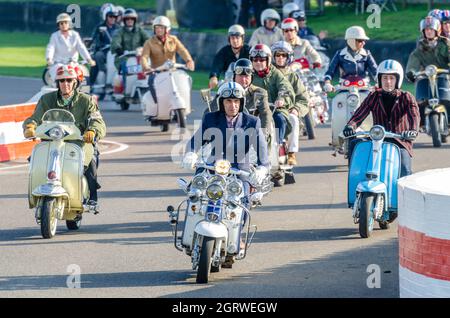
column 229, row 260
column 292, row 161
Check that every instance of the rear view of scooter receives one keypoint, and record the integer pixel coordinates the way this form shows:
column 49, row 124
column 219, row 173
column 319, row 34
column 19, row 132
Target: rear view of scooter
column 130, row 84
column 58, row 189
column 170, row 98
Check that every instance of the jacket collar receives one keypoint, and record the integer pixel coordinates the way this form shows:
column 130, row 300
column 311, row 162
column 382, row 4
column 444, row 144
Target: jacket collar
column 348, row 56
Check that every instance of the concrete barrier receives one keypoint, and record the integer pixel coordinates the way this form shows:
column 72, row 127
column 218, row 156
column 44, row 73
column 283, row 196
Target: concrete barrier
column 424, row 234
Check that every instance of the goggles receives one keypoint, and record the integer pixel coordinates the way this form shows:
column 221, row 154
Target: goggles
column 240, row 70
column 259, row 53
column 231, row 92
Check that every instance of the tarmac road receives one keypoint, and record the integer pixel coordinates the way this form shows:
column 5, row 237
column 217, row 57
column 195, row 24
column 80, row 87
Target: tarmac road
column 306, row 244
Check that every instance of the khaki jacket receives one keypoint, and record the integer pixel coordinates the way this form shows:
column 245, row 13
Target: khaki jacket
column 159, row 52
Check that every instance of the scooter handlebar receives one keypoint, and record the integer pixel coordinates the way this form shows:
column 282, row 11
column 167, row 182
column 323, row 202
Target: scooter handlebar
column 233, row 171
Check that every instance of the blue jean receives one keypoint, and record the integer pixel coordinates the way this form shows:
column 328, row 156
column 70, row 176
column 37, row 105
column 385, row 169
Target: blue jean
column 280, row 125
column 405, row 157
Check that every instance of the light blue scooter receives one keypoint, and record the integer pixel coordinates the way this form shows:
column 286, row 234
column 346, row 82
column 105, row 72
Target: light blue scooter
column 372, row 180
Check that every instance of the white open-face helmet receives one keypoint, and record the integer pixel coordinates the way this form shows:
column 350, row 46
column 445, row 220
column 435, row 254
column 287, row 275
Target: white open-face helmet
column 64, row 17
column 269, row 14
column 162, row 20
column 236, row 30
column 356, row 33
column 390, row 67
column 288, row 8
column 285, row 47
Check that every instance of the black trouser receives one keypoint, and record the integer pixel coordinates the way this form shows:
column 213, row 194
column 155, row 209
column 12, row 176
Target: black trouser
column 91, row 175
column 151, row 86
column 258, row 5
column 100, row 60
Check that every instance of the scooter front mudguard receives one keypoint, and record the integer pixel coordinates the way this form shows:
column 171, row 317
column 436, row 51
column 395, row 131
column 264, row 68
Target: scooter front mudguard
column 211, row 229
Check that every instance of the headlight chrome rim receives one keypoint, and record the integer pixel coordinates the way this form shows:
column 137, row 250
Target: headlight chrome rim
column 377, row 133
column 200, row 182
column 215, row 191
column 56, row 133
column 430, row 70
column 352, row 100
column 235, row 188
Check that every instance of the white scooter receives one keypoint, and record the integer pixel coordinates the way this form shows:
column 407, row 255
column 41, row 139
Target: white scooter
column 349, row 96
column 173, row 96
column 103, row 85
column 136, row 81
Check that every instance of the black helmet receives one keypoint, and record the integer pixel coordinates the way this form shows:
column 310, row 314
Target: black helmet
column 243, row 66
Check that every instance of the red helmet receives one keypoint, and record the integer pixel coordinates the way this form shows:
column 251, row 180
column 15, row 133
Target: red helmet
column 289, row 24
column 66, row 71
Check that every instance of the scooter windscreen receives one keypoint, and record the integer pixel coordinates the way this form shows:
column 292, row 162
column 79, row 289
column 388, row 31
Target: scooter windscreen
column 58, row 115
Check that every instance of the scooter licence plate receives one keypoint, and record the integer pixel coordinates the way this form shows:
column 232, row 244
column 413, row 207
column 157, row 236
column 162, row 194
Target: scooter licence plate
column 133, row 69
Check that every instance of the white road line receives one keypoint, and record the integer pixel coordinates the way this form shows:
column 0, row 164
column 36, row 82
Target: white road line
column 122, row 147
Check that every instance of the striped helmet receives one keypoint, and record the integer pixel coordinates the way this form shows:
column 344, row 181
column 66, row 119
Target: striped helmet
column 390, row 67
column 231, row 90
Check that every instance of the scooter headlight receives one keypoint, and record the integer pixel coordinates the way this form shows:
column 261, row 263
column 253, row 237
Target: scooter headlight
column 377, row 133
column 430, row 70
column 353, row 100
column 56, row 133
column 212, row 217
column 214, row 191
column 222, row 167
column 199, row 182
column 235, row 188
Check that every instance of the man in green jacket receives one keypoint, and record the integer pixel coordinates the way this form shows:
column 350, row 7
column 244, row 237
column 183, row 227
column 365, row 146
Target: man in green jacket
column 283, row 55
column 128, row 38
column 280, row 91
column 87, row 116
column 432, row 49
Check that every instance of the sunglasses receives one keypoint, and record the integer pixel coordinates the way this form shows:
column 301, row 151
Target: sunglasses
column 288, row 30
column 259, row 59
column 361, row 41
column 68, row 80
column 229, row 92
column 239, row 70
column 281, row 55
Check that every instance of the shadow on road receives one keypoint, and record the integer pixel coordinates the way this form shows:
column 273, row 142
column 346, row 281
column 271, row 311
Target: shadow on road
column 306, row 235
column 141, row 193
column 300, row 207
column 321, row 169
column 342, row 274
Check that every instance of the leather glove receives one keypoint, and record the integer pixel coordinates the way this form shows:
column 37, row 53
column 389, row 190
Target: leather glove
column 410, row 76
column 317, row 65
column 88, row 136
column 258, row 175
column 189, row 160
column 30, row 131
column 409, row 135
column 348, row 131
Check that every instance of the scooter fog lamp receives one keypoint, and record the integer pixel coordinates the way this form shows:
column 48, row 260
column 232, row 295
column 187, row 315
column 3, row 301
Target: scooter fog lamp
column 199, row 182
column 214, row 191
column 430, row 70
column 353, row 100
column 377, row 133
column 235, row 188
column 56, row 133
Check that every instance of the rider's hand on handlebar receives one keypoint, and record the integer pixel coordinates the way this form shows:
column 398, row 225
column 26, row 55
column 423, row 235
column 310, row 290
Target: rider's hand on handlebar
column 30, row 131
column 213, row 81
column 50, row 62
column 409, row 135
column 92, row 63
column 279, row 103
column 317, row 65
column 190, row 65
column 327, row 87
column 348, row 131
column 89, row 136
column 410, row 76
column 189, row 160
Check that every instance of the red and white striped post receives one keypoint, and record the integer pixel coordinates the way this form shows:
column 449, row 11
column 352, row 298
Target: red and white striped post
column 424, row 234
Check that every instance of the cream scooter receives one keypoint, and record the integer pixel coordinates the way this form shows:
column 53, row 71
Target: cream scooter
column 57, row 186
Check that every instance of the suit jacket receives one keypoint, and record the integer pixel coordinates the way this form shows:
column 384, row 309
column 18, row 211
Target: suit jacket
column 233, row 144
column 404, row 115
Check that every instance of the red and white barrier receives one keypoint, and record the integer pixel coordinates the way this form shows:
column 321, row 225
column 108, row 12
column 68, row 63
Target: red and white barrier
column 424, row 234
column 12, row 143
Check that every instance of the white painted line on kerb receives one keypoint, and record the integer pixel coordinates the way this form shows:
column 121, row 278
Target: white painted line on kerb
column 122, row 147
